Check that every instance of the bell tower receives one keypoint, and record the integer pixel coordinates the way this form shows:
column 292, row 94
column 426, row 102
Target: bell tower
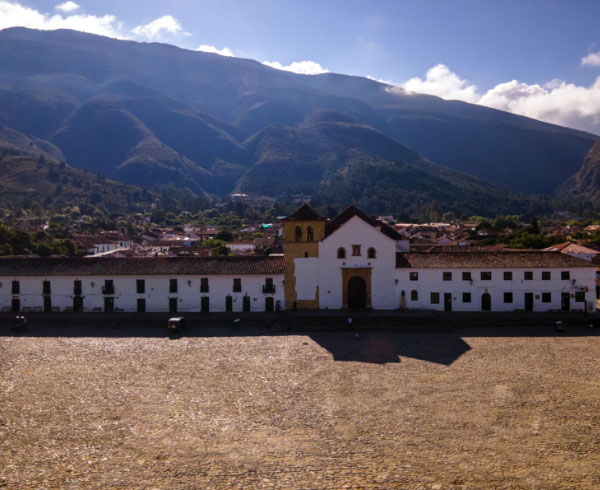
column 303, row 231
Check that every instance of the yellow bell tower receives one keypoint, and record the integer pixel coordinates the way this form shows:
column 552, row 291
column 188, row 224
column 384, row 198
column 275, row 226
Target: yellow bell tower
column 303, row 231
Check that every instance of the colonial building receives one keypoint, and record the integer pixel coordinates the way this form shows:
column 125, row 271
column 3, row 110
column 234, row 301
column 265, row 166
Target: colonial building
column 148, row 284
column 352, row 261
column 356, row 261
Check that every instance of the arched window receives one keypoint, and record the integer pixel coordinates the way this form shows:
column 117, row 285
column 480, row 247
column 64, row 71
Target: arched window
column 414, row 295
column 298, row 233
column 341, row 253
column 371, row 253
column 310, row 235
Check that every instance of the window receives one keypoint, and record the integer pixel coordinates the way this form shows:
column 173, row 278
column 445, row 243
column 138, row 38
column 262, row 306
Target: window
column 355, row 250
column 486, row 276
column 140, row 286
column 546, row 297
column 528, row 275
column 341, row 253
column 435, row 298
column 508, row 297
column 507, row 275
column 414, row 295
column 310, row 234
column 298, row 233
column 204, row 285
column 466, row 297
column 237, row 285
column 414, row 276
column 16, row 287
column 565, row 275
column 46, row 287
column 77, row 288
column 268, row 287
column 467, row 276
column 371, row 253
column 580, row 296
column 447, row 276
column 109, row 287
column 545, row 275
column 172, row 285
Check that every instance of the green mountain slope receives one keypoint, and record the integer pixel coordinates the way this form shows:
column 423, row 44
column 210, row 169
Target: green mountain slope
column 583, row 189
column 154, row 114
column 341, row 163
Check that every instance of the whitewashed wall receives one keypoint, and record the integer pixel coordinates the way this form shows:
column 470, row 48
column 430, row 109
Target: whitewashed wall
column 431, row 280
column 356, row 232
column 157, row 292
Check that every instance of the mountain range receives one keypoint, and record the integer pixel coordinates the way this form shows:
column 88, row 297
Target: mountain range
column 152, row 115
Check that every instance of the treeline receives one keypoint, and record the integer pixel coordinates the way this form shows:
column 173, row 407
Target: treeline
column 42, row 243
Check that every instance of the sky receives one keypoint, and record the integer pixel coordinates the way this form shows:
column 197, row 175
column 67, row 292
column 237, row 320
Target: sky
column 538, row 58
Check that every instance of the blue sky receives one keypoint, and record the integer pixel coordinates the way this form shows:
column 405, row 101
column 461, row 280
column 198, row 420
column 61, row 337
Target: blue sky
column 538, row 58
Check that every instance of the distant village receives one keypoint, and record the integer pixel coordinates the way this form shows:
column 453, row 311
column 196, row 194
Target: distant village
column 227, row 230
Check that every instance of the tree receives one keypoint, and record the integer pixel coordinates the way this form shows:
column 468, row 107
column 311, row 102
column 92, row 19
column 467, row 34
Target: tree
column 225, row 235
column 220, row 250
column 535, row 226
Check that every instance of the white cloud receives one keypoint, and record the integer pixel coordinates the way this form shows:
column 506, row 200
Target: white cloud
column 380, row 80
column 592, row 59
column 440, row 81
column 301, row 67
column 67, row 7
column 13, row 14
column 167, row 24
column 555, row 102
column 211, row 49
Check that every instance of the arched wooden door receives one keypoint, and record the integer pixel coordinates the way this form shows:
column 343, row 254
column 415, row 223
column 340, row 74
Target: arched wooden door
column 357, row 292
column 486, row 302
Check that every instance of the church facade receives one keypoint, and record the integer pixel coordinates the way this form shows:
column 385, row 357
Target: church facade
column 352, row 261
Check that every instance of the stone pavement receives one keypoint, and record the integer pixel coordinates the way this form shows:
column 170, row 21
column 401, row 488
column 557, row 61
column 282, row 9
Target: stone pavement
column 241, row 407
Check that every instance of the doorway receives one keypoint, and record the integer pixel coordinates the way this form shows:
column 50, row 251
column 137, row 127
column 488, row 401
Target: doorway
column 447, row 301
column 47, row 303
column 141, row 305
column 205, row 304
column 228, row 303
column 357, row 292
column 109, row 305
column 77, row 303
column 486, row 302
column 269, row 303
column 246, row 303
column 528, row 301
column 172, row 305
column 565, row 302
column 16, row 305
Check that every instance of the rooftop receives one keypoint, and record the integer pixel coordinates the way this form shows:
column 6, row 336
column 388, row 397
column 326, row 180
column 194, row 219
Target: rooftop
column 87, row 266
column 488, row 260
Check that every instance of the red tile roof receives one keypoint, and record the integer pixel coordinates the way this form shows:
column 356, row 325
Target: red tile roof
column 488, row 260
column 141, row 266
column 305, row 213
column 352, row 211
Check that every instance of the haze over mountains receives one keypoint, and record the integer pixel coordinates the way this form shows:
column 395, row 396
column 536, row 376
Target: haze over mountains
column 153, row 114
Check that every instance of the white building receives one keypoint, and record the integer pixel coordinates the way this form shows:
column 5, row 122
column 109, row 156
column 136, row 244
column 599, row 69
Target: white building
column 357, row 261
column 352, row 261
column 141, row 284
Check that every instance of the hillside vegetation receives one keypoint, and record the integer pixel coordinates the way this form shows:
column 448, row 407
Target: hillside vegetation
column 154, row 115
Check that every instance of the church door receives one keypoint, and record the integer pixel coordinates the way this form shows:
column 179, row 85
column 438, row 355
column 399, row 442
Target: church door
column 357, row 292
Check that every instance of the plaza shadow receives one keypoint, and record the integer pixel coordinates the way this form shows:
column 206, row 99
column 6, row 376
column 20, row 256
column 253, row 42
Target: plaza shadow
column 441, row 343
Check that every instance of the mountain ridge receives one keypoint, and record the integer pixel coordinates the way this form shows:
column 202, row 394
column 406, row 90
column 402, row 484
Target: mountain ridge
column 190, row 119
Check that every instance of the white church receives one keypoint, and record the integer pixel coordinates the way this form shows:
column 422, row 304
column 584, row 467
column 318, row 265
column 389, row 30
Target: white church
column 350, row 262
